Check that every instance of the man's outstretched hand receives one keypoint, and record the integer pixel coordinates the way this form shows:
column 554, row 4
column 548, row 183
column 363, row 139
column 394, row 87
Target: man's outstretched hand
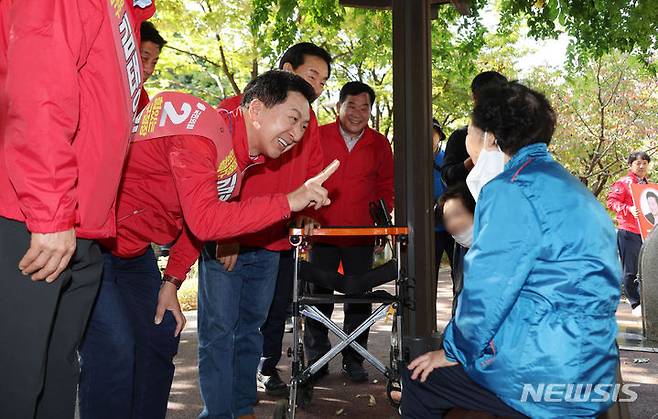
column 311, row 193
column 49, row 254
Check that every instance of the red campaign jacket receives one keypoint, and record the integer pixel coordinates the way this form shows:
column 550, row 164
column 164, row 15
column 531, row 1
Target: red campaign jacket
column 174, row 186
column 365, row 175
column 620, row 199
column 282, row 175
column 70, row 77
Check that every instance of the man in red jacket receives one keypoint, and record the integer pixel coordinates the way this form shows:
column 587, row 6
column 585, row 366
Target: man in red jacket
column 246, row 283
column 629, row 240
column 185, row 161
column 150, row 47
column 70, row 79
column 365, row 175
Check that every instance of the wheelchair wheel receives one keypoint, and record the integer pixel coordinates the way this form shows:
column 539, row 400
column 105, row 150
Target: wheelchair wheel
column 304, row 395
column 281, row 410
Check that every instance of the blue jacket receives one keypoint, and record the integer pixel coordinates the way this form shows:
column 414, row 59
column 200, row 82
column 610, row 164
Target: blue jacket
column 541, row 287
column 439, row 188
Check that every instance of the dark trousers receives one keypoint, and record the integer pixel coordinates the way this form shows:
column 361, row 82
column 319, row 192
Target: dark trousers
column 126, row 359
column 443, row 242
column 42, row 325
column 629, row 245
column 275, row 325
column 356, row 260
column 445, row 389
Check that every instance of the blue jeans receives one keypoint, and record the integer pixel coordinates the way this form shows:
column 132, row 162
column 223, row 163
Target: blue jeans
column 126, row 359
column 232, row 308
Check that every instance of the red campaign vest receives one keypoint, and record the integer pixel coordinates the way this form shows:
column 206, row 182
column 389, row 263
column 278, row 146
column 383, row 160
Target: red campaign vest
column 181, row 114
column 125, row 43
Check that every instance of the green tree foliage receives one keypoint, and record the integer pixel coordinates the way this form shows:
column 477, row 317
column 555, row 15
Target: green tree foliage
column 596, row 27
column 215, row 47
column 606, row 100
column 605, row 111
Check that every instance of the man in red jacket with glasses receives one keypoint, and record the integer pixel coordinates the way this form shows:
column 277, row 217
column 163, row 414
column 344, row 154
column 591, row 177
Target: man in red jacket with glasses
column 365, row 175
column 70, row 80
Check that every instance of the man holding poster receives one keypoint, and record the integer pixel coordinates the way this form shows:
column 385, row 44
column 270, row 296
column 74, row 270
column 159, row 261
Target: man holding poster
column 629, row 218
column 645, row 199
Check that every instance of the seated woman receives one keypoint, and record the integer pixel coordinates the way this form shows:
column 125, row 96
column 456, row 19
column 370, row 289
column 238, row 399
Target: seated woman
column 534, row 335
column 457, row 207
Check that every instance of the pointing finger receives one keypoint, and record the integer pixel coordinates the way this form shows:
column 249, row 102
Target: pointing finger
column 321, row 177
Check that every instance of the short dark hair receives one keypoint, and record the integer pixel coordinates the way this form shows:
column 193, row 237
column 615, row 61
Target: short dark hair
column 652, row 195
column 295, row 55
column 148, row 32
column 638, row 155
column 486, row 79
column 517, row 115
column 353, row 88
column 457, row 191
column 437, row 127
column 272, row 88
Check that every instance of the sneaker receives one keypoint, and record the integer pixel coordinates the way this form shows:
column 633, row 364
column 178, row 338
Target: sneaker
column 273, row 385
column 355, row 371
column 637, row 311
column 288, row 327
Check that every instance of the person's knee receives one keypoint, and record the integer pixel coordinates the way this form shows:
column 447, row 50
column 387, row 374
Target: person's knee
column 110, row 348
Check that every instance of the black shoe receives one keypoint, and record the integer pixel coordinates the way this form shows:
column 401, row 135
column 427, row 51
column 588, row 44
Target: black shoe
column 272, row 384
column 355, row 371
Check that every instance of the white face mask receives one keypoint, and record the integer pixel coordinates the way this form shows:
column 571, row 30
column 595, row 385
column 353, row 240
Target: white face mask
column 489, row 165
column 465, row 238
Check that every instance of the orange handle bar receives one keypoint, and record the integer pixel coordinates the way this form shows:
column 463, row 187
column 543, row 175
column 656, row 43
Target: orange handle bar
column 353, row 231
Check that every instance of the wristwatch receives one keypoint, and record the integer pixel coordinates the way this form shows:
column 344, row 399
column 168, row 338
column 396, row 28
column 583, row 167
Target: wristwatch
column 168, row 278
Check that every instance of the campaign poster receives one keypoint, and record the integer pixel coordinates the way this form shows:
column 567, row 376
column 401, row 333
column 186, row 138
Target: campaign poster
column 645, row 198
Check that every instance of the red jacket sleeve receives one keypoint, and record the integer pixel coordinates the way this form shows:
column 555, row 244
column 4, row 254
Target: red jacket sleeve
column 385, row 179
column 43, row 55
column 617, row 198
column 316, row 155
column 192, row 162
column 182, row 255
column 315, row 162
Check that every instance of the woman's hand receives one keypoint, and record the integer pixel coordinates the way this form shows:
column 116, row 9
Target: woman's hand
column 168, row 300
column 425, row 364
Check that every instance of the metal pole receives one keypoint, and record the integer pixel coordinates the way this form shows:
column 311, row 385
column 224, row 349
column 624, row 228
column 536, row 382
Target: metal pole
column 413, row 155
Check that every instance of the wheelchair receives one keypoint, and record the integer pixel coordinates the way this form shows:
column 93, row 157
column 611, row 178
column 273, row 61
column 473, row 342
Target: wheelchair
column 352, row 289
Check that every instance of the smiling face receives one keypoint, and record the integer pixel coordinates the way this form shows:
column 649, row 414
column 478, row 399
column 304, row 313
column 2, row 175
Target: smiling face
column 314, row 70
column 279, row 128
column 640, row 167
column 150, row 52
column 354, row 113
